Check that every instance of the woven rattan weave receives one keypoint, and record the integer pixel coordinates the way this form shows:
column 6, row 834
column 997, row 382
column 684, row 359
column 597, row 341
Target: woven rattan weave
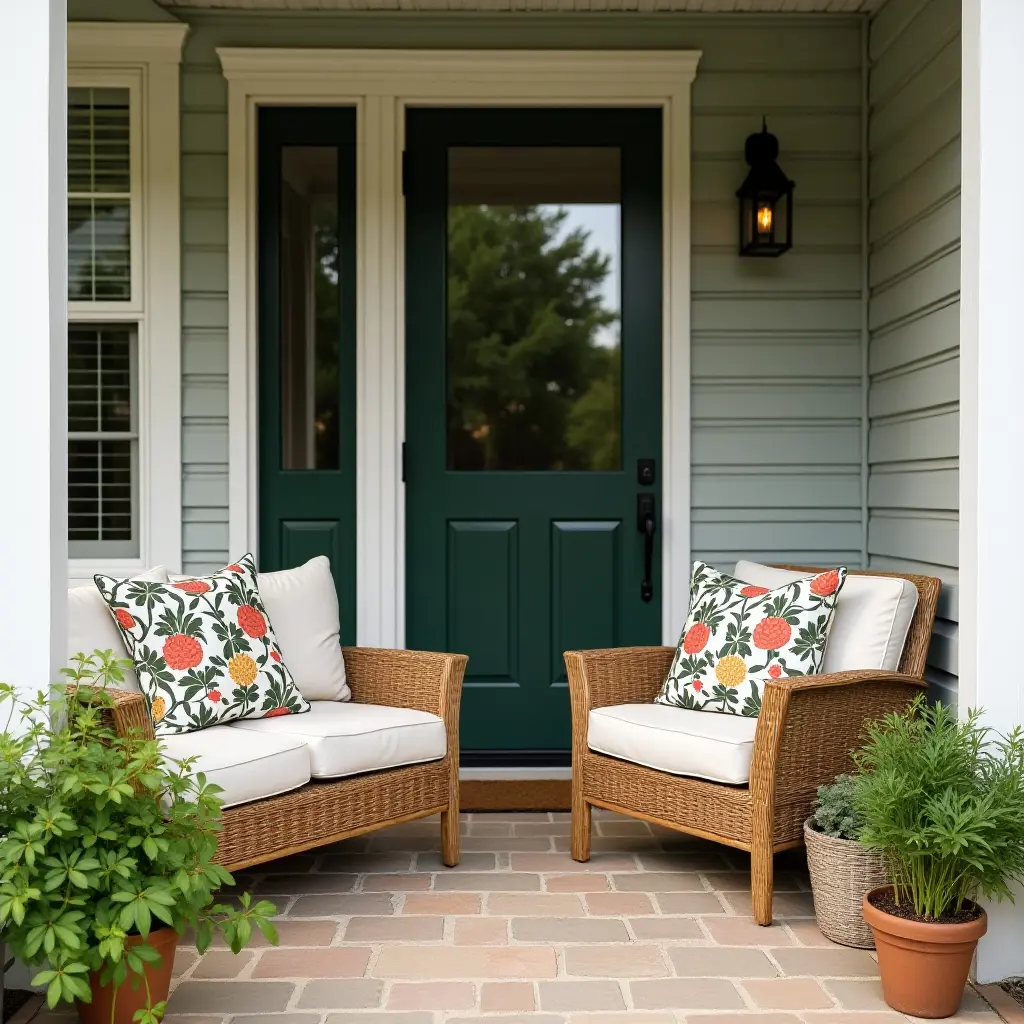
column 325, row 812
column 807, row 728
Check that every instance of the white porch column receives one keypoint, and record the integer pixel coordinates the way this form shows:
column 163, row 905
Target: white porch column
column 992, row 395
column 33, row 288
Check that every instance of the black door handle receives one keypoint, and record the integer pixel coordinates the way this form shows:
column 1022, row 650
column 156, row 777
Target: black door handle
column 645, row 524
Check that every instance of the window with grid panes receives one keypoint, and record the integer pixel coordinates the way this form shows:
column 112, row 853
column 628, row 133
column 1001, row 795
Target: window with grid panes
column 103, row 327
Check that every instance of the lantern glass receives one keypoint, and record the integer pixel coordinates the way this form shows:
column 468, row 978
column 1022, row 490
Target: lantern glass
column 766, row 200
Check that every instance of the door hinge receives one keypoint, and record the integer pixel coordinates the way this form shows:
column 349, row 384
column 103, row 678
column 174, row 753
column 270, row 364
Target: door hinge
column 405, row 172
column 405, row 464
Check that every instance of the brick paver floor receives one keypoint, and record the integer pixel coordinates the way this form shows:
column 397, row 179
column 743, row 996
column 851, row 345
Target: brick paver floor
column 655, row 929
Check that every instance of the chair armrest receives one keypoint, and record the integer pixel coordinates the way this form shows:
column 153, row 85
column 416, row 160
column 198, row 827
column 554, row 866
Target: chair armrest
column 617, row 675
column 127, row 711
column 419, row 680
column 809, row 725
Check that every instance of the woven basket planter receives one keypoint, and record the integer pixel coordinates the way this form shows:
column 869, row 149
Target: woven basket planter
column 842, row 871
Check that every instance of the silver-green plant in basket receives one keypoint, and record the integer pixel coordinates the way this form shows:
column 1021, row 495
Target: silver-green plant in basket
column 835, row 813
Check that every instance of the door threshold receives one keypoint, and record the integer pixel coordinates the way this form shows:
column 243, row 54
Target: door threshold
column 537, row 794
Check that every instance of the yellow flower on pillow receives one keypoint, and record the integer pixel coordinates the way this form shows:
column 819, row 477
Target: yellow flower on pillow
column 731, row 670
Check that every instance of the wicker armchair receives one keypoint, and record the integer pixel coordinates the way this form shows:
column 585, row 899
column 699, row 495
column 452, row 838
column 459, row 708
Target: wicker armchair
column 325, row 812
column 807, row 728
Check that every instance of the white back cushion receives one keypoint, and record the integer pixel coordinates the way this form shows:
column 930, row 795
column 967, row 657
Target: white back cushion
column 91, row 626
column 872, row 620
column 302, row 605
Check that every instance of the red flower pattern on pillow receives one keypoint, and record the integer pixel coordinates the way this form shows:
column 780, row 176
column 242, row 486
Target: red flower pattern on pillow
column 696, row 638
column 252, row 622
column 203, row 648
column 182, row 652
column 825, row 583
column 772, row 633
column 741, row 636
column 193, row 586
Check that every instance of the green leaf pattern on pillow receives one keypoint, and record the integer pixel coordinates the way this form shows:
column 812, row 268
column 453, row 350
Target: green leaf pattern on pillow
column 204, row 649
column 738, row 635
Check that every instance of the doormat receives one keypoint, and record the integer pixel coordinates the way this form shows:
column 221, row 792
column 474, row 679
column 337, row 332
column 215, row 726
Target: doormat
column 515, row 795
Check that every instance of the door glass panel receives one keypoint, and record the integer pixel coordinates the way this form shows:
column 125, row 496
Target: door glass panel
column 533, row 275
column 310, row 308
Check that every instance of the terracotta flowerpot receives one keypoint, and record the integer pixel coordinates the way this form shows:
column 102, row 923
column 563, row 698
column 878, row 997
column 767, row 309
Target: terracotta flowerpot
column 128, row 999
column 924, row 966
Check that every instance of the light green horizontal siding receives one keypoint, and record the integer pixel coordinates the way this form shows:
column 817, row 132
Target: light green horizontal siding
column 776, row 345
column 914, row 274
column 776, row 349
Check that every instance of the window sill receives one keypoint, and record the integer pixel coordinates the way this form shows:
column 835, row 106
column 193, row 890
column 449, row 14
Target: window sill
column 82, row 570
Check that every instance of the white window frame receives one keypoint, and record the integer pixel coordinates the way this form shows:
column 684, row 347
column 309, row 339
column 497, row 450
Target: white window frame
column 120, row 310
column 146, row 59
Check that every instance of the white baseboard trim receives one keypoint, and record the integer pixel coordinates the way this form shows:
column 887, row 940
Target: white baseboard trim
column 513, row 774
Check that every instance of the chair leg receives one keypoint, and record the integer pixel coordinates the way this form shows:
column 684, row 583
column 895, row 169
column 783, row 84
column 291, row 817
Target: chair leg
column 580, row 827
column 450, row 836
column 450, row 816
column 762, row 881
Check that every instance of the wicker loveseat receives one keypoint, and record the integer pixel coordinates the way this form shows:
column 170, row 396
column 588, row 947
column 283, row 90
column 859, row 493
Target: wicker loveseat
column 807, row 727
column 321, row 812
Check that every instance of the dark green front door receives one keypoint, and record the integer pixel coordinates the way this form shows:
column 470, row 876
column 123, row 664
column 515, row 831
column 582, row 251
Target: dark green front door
column 307, row 343
column 533, row 433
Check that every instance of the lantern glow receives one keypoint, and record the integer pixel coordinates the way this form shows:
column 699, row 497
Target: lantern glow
column 766, row 199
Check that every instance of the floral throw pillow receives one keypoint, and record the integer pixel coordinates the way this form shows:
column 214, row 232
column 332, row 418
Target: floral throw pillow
column 204, row 649
column 737, row 635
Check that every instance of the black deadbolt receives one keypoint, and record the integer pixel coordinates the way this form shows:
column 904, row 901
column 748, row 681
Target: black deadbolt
column 645, row 472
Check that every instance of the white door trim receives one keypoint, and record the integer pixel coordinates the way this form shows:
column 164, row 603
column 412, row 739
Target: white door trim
column 381, row 84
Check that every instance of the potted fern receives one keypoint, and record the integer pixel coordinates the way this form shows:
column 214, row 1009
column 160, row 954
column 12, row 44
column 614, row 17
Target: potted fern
column 108, row 853
column 842, row 870
column 942, row 801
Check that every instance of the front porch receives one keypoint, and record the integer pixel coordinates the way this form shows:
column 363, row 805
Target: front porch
column 855, row 402
column 655, row 929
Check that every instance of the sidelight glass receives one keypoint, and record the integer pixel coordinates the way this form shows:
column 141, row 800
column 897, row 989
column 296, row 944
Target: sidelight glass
column 310, row 312
column 534, row 363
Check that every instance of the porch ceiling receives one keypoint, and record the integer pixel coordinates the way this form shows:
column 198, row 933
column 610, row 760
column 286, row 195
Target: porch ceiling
column 637, row 6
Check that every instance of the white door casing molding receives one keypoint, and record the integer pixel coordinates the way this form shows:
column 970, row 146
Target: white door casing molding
column 381, row 84
column 146, row 58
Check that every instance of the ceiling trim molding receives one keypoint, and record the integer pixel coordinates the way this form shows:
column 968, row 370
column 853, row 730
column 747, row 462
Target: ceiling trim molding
column 125, row 42
column 541, row 7
column 442, row 72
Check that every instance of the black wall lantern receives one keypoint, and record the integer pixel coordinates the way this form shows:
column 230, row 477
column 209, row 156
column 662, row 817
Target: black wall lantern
column 766, row 199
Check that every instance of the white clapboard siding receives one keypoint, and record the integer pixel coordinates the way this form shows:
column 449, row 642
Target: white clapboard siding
column 914, row 275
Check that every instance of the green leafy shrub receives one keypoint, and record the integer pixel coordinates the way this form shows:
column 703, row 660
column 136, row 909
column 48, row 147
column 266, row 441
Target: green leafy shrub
column 943, row 801
column 835, row 813
column 104, row 839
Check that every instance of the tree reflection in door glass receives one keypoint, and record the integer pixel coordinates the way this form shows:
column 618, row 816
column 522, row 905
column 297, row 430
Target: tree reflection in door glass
column 534, row 362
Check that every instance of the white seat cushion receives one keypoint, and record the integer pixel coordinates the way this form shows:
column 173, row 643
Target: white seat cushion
column 709, row 746
column 245, row 767
column 302, row 605
column 873, row 616
column 348, row 739
column 91, row 626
